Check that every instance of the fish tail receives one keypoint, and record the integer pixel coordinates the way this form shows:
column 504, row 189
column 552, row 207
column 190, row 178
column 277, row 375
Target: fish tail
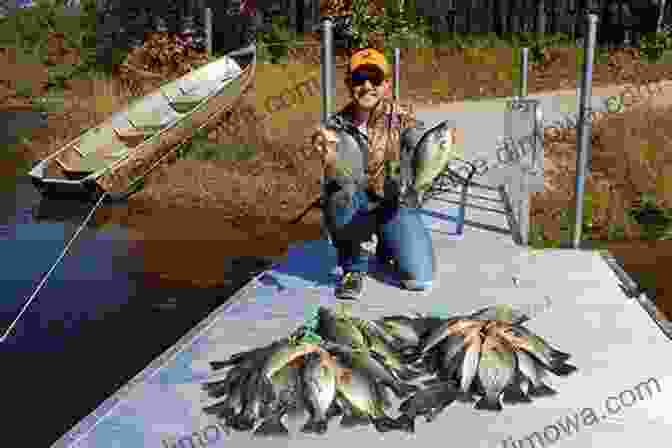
column 489, row 403
column 386, row 424
column 515, row 395
column 242, row 422
column 271, row 427
column 464, row 397
column 433, row 413
column 334, row 410
column 562, row 369
column 352, row 420
column 314, row 426
column 542, row 390
column 406, row 423
column 560, row 356
column 221, row 410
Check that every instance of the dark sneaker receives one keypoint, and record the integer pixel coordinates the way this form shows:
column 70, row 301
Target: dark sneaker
column 350, row 286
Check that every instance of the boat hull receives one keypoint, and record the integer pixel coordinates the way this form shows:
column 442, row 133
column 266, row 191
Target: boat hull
column 119, row 170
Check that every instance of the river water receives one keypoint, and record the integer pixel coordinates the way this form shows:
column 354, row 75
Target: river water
column 102, row 316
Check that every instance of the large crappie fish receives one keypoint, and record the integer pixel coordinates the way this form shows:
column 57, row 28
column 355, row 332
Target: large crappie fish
column 430, row 156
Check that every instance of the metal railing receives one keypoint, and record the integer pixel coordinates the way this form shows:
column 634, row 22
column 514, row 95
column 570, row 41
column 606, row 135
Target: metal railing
column 524, row 129
column 529, row 174
column 583, row 127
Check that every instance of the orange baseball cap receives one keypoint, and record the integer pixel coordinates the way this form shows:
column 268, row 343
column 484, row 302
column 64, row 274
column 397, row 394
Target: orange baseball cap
column 369, row 56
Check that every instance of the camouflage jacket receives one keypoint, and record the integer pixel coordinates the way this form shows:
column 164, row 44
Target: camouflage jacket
column 376, row 162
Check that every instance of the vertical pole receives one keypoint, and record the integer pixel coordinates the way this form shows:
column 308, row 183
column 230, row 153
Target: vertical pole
column 327, row 68
column 208, row 30
column 523, row 72
column 397, row 75
column 661, row 15
column 583, row 126
column 541, row 18
column 523, row 207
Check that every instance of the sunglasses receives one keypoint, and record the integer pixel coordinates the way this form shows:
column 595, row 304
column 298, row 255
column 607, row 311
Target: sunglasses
column 359, row 77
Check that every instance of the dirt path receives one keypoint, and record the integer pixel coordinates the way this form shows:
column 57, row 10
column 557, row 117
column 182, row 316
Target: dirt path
column 663, row 98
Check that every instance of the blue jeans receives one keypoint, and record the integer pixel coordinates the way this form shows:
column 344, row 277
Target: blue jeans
column 400, row 231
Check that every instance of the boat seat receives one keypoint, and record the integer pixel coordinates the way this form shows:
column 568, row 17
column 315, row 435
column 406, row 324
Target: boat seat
column 91, row 164
column 185, row 103
column 96, row 148
column 153, row 112
column 172, row 90
column 133, row 137
column 208, row 79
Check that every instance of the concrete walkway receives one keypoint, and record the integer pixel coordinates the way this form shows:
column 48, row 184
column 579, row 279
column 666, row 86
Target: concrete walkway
column 574, row 296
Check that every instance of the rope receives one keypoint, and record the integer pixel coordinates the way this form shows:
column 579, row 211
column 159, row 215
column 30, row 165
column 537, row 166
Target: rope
column 46, row 277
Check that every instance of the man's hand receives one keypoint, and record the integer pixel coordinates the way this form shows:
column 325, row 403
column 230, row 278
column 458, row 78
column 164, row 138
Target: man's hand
column 325, row 141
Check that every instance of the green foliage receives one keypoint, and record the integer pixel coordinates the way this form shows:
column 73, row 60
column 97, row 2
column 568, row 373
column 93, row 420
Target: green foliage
column 536, row 234
column 200, row 148
column 653, row 45
column 656, row 222
column 29, row 28
column 274, row 44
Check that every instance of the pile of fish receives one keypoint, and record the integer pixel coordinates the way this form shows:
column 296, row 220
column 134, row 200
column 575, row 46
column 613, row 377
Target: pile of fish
column 342, row 365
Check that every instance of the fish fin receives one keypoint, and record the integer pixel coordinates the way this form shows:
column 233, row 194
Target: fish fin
column 383, row 396
column 463, row 397
column 542, row 390
column 411, row 355
column 433, row 413
column 352, row 420
column 408, row 374
column 313, row 426
column 218, row 365
column 267, row 390
column 562, row 369
column 378, row 357
column 406, row 423
column 271, row 427
column 432, row 382
column 488, row 404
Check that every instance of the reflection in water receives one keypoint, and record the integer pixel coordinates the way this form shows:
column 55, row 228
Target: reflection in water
column 107, row 310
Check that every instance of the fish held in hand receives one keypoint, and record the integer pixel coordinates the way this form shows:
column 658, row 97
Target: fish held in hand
column 431, row 155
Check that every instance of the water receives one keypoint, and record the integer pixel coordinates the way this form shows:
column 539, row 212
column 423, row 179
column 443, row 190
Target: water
column 99, row 319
